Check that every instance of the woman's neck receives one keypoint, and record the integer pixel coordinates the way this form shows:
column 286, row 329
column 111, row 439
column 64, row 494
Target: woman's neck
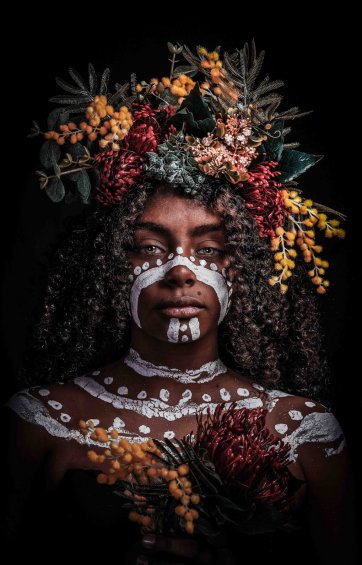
column 181, row 356
column 206, row 372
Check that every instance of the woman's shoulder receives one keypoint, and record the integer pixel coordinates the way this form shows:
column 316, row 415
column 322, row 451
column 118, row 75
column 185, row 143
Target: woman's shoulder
column 54, row 407
column 304, row 423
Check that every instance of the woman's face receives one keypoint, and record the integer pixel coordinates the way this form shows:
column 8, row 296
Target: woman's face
column 180, row 286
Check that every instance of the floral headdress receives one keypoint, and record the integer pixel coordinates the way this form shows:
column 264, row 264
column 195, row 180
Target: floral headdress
column 179, row 130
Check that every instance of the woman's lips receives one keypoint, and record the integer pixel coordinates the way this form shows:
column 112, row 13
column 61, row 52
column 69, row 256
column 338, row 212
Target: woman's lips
column 181, row 311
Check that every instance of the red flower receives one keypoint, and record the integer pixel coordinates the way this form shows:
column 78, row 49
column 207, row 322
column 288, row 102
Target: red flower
column 263, row 197
column 118, row 170
column 250, row 461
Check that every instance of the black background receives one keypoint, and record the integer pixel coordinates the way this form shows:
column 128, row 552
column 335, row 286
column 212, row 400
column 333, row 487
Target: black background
column 312, row 55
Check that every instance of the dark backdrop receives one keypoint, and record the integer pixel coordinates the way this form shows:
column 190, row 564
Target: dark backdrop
column 310, row 54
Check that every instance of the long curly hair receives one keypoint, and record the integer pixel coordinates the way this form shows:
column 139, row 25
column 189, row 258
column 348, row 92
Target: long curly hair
column 82, row 322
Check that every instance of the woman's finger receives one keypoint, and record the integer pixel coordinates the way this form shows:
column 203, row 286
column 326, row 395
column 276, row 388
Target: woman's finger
column 175, row 545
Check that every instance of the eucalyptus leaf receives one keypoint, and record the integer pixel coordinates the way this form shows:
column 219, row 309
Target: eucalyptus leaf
column 84, row 185
column 50, row 153
column 57, row 117
column 77, row 150
column 55, row 190
column 294, row 163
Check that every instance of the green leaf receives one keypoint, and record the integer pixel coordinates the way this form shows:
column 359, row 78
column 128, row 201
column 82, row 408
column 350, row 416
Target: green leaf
column 104, row 81
column 92, row 77
column 55, row 190
column 69, row 87
column 78, row 79
column 68, row 99
column 294, row 163
column 273, row 146
column 84, row 185
column 50, row 153
column 76, row 150
column 190, row 70
column 194, row 115
column 57, row 117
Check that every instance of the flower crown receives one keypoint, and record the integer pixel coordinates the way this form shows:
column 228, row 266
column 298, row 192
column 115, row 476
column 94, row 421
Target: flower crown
column 181, row 131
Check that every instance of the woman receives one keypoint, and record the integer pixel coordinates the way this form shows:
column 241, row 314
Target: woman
column 159, row 307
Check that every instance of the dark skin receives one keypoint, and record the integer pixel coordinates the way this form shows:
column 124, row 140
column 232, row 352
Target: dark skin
column 327, row 492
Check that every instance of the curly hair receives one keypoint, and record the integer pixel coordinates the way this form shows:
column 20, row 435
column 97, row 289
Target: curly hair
column 83, row 322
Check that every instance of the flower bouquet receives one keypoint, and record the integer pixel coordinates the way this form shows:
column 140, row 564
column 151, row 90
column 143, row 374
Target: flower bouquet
column 231, row 476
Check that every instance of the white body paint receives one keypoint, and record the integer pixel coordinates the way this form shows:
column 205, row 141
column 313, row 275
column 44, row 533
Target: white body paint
column 204, row 374
column 205, row 275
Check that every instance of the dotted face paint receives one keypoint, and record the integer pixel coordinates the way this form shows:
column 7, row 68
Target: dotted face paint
column 208, row 274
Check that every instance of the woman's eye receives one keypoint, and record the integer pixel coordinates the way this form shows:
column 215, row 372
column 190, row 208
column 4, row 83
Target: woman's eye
column 150, row 249
column 210, row 251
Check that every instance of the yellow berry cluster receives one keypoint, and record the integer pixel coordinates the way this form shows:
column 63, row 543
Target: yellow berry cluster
column 212, row 66
column 180, row 86
column 303, row 216
column 101, row 121
column 143, row 464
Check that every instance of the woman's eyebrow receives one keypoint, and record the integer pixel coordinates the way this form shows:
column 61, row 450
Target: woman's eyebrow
column 198, row 230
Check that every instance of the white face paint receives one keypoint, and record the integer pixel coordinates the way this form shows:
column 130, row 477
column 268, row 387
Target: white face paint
column 177, row 332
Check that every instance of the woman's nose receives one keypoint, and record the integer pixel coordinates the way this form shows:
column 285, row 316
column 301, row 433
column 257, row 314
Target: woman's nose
column 180, row 275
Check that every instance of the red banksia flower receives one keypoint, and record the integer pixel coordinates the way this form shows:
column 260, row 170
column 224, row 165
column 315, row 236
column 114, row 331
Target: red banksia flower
column 263, row 197
column 118, row 171
column 250, row 461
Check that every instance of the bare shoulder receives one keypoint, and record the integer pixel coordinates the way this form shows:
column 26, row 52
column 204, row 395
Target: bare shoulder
column 311, row 430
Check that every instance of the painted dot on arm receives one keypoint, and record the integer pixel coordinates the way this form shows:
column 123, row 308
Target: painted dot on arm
column 225, row 394
column 118, row 423
column 122, row 390
column 206, row 397
column 295, row 415
column 243, row 392
column 309, row 404
column 281, row 428
column 164, row 394
column 54, row 404
column 108, row 380
column 43, row 392
column 65, row 417
column 169, row 434
column 144, row 429
column 142, row 394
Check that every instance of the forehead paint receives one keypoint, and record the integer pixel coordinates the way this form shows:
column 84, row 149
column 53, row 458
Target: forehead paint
column 207, row 276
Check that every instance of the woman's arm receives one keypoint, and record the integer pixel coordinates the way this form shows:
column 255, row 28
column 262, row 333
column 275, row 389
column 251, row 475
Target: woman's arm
column 27, row 446
column 330, row 502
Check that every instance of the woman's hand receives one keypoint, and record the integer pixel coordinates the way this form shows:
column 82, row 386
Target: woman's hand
column 169, row 550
